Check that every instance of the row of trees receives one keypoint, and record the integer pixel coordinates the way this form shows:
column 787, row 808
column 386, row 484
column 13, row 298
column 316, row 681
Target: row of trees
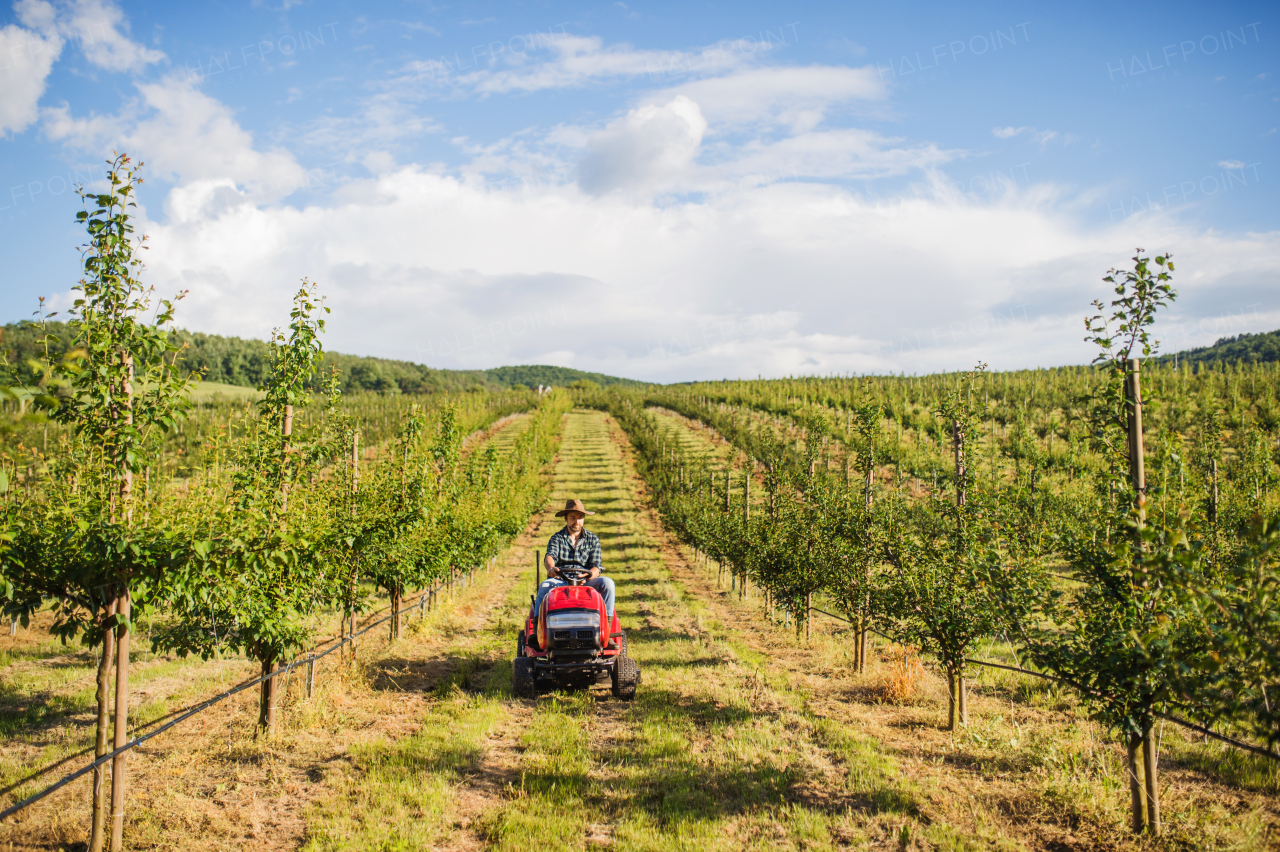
column 284, row 516
column 951, row 529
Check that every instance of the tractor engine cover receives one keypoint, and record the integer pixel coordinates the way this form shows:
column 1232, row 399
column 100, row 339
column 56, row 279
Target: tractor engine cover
column 572, row 619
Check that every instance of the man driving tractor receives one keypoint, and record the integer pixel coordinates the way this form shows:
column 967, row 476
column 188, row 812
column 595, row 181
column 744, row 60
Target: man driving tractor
column 575, row 547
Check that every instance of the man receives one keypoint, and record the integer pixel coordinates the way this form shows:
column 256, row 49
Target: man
column 574, row 547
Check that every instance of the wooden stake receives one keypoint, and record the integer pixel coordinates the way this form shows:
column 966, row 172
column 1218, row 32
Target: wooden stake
column 1137, row 467
column 123, row 609
column 1152, row 787
column 121, row 723
column 97, row 837
column 1213, row 493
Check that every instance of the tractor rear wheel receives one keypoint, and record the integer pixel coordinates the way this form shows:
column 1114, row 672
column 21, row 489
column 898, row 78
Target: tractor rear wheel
column 520, row 643
column 522, row 681
column 626, row 676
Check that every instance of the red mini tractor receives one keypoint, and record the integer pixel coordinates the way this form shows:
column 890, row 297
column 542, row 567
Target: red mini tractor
column 572, row 643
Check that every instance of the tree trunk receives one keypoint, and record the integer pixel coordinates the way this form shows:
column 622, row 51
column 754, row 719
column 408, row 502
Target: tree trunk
column 121, row 720
column 1149, row 759
column 267, row 699
column 957, row 699
column 1137, row 787
column 395, row 613
column 97, row 837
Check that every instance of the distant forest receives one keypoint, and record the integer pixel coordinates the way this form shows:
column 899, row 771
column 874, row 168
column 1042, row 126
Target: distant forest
column 1242, row 348
column 244, row 362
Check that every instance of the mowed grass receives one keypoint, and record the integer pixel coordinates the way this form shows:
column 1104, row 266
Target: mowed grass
column 714, row 753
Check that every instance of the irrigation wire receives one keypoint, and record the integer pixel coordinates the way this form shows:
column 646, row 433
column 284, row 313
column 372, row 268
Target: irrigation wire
column 1200, row 729
column 200, row 708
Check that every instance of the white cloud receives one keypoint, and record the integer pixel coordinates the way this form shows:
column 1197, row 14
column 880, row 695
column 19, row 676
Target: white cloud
column 27, row 55
column 1044, row 137
column 797, row 97
column 792, row 277
column 102, row 31
column 518, row 258
column 541, row 61
column 649, row 147
column 28, row 52
column 850, row 153
column 384, row 120
column 183, row 135
column 1230, row 164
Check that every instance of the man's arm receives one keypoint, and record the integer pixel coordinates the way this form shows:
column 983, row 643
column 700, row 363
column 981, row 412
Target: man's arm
column 554, row 552
column 594, row 561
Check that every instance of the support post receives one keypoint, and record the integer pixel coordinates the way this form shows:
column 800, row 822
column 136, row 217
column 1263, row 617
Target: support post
column 1152, row 786
column 97, row 837
column 121, row 723
column 1137, row 468
column 1213, row 492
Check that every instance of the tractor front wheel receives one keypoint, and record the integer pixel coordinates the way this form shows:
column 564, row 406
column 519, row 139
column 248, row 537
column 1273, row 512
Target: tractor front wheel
column 626, row 677
column 522, row 681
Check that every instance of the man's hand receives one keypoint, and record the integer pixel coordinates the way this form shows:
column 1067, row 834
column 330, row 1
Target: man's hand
column 552, row 571
column 595, row 572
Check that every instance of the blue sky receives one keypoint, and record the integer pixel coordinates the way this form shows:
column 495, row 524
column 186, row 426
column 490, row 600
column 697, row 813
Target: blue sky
column 665, row 191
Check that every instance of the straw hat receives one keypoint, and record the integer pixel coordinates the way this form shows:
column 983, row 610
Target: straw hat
column 573, row 506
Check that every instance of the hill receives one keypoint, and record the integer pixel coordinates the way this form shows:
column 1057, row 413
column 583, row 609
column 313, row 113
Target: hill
column 1242, row 348
column 532, row 375
column 244, row 362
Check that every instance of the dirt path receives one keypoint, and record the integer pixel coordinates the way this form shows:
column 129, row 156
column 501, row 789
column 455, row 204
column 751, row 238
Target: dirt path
column 715, row 753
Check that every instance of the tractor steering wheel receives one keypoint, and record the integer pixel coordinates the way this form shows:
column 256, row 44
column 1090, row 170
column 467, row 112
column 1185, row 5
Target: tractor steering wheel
column 573, row 574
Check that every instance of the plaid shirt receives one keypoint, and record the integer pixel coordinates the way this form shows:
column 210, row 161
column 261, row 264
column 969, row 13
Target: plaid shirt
column 585, row 555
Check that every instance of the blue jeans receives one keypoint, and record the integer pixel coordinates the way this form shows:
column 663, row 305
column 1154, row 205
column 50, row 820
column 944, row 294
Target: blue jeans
column 603, row 585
